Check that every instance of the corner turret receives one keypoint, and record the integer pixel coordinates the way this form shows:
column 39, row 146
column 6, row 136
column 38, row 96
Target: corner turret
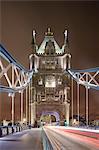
column 34, row 46
column 65, row 47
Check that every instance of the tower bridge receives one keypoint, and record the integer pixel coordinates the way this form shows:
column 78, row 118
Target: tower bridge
column 48, row 84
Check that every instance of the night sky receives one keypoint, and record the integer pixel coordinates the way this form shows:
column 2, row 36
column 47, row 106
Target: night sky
column 80, row 18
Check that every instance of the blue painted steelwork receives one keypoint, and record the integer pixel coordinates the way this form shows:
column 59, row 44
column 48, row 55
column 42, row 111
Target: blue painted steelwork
column 5, row 54
column 14, row 63
column 10, row 90
column 75, row 74
column 85, row 70
column 78, row 76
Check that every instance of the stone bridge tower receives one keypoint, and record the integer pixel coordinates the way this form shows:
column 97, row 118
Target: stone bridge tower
column 50, row 87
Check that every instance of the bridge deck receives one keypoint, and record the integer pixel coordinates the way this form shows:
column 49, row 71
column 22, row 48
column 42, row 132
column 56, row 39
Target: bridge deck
column 54, row 138
column 64, row 139
column 25, row 140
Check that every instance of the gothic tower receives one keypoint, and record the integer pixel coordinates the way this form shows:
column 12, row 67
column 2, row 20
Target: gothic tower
column 50, row 88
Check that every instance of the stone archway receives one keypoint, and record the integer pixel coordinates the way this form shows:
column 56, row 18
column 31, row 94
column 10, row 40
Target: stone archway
column 50, row 117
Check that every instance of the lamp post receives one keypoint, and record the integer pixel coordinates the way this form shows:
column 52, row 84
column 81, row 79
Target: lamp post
column 13, row 115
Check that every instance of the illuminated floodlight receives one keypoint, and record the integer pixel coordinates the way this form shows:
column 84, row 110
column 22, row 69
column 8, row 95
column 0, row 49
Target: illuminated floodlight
column 74, row 121
column 24, row 119
column 10, row 94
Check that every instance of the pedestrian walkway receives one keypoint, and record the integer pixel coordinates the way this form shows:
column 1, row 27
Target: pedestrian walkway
column 25, row 140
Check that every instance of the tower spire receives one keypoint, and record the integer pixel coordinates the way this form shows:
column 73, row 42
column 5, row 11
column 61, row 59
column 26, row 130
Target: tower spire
column 66, row 43
column 33, row 37
column 66, row 37
column 34, row 46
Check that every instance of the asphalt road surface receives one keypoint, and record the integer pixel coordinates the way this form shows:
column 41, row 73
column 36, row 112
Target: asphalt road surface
column 60, row 140
column 25, row 140
column 68, row 141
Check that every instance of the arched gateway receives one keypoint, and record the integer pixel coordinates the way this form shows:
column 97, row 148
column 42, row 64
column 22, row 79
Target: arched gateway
column 50, row 87
column 50, row 117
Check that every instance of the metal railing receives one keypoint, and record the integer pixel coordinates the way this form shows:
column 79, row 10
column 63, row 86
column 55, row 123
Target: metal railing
column 6, row 130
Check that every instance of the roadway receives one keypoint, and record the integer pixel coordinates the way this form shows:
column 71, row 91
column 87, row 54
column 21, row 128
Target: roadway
column 60, row 137
column 25, row 140
column 65, row 140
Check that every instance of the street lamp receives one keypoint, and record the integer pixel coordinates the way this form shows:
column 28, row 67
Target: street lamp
column 24, row 120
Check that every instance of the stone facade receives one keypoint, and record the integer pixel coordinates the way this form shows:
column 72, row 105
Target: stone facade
column 50, row 85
